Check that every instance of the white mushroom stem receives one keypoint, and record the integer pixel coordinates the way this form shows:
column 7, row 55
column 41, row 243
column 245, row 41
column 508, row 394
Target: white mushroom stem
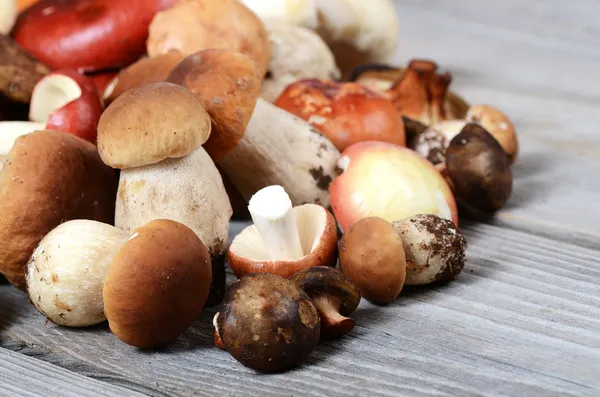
column 271, row 211
column 52, row 93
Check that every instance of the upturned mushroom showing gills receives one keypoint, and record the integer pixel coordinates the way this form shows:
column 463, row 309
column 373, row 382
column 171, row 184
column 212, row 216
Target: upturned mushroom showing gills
column 268, row 323
column 283, row 240
column 334, row 296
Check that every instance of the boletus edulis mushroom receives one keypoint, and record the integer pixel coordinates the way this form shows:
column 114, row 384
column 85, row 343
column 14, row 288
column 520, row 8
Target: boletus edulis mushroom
column 65, row 274
column 479, row 169
column 334, row 296
column 48, row 177
column 498, row 125
column 157, row 284
column 434, row 248
column 268, row 323
column 372, row 257
column 283, row 240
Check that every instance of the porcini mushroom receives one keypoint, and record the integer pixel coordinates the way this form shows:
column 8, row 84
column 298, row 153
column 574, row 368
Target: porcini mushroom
column 195, row 25
column 297, row 53
column 8, row 15
column 65, row 274
column 157, row 284
column 283, row 240
column 333, row 295
column 144, row 71
column 498, row 125
column 279, row 148
column 228, row 85
column 479, row 169
column 153, row 134
column 67, row 101
column 10, row 131
column 372, row 257
column 434, row 248
column 49, row 177
column 346, row 113
column 268, row 323
column 87, row 35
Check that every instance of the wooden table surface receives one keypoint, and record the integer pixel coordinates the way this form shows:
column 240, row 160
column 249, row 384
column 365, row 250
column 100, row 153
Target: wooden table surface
column 524, row 317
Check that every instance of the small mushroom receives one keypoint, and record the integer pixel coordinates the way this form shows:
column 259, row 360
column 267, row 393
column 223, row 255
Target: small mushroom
column 334, row 296
column 66, row 272
column 48, row 178
column 195, row 25
column 434, row 247
column 8, row 15
column 144, row 71
column 228, row 85
column 268, row 323
column 372, row 257
column 346, row 113
column 279, row 148
column 283, row 240
column 433, row 142
column 479, row 169
column 157, row 284
column 297, row 53
column 498, row 125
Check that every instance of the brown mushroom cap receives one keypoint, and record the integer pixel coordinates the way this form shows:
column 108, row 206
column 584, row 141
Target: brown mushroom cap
column 157, row 284
column 145, row 71
column 196, row 25
column 49, row 177
column 333, row 295
column 479, row 169
column 268, row 323
column 498, row 125
column 151, row 123
column 434, row 247
column 372, row 257
column 318, row 237
column 228, row 85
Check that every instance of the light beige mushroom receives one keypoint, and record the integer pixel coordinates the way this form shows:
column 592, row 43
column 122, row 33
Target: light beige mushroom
column 66, row 272
column 290, row 12
column 10, row 131
column 8, row 15
column 282, row 149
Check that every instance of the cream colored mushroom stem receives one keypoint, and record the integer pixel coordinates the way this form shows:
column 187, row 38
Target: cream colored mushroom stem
column 271, row 211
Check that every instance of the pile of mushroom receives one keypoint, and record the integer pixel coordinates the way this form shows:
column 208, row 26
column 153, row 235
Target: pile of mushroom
column 128, row 141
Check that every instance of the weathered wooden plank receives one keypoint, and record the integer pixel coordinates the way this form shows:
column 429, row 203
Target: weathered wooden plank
column 26, row 376
column 522, row 320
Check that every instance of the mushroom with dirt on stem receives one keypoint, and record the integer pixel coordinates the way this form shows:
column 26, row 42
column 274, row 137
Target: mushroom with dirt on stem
column 157, row 284
column 65, row 274
column 283, row 240
column 334, row 296
column 154, row 134
column 279, row 148
column 48, row 178
column 267, row 323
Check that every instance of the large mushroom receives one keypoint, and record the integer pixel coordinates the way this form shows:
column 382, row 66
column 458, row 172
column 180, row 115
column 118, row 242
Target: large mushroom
column 297, row 53
column 194, row 25
column 66, row 272
column 279, row 148
column 48, row 178
column 10, row 131
column 283, row 240
column 154, row 135
column 333, row 295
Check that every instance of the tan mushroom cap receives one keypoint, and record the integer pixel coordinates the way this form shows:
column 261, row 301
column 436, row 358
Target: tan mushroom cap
column 228, row 85
column 157, row 284
column 48, row 178
column 318, row 238
column 194, row 25
column 151, row 123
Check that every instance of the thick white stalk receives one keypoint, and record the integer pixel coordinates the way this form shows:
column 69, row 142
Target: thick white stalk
column 271, row 211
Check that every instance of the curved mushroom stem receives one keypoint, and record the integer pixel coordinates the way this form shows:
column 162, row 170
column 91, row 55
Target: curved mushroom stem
column 333, row 324
column 438, row 90
column 271, row 211
column 218, row 342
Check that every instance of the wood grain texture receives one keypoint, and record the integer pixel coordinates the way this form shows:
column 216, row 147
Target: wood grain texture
column 524, row 317
column 26, row 376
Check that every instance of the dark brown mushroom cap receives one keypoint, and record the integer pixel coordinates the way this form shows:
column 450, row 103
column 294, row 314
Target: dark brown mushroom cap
column 268, row 323
column 329, row 281
column 479, row 169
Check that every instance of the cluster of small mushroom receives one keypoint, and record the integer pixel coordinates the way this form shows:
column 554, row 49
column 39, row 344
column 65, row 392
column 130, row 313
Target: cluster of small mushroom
column 138, row 128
